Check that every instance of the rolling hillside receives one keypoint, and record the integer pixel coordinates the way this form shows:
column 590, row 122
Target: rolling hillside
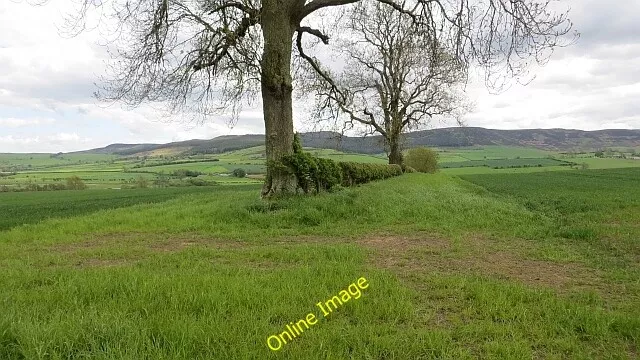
column 548, row 139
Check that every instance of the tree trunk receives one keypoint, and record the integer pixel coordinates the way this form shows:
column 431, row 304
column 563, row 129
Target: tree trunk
column 276, row 94
column 395, row 154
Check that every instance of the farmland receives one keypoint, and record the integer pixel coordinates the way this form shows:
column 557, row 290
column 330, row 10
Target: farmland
column 167, row 167
column 504, row 163
column 110, row 171
column 539, row 265
column 33, row 207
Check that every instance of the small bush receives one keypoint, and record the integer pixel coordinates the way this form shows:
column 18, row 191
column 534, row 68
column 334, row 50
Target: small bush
column 75, row 183
column 239, row 173
column 141, row 182
column 201, row 182
column 422, row 159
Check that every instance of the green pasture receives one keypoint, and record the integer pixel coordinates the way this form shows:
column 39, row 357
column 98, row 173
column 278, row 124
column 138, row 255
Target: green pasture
column 255, row 155
column 504, row 266
column 89, row 177
column 490, row 152
column 204, row 167
column 505, row 163
column 608, row 163
column 43, row 160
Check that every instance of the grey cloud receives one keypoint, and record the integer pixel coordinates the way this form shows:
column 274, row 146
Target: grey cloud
column 605, row 22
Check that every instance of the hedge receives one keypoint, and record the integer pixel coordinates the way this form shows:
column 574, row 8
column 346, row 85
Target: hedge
column 315, row 174
column 359, row 173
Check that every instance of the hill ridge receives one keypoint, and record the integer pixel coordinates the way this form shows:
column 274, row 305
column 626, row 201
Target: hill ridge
column 547, row 139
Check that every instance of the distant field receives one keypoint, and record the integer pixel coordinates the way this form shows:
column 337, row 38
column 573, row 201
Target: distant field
column 212, row 167
column 107, row 178
column 505, row 163
column 597, row 163
column 37, row 160
column 488, row 170
column 490, row 152
column 108, row 171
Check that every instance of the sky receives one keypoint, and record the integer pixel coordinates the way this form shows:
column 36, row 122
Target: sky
column 47, row 83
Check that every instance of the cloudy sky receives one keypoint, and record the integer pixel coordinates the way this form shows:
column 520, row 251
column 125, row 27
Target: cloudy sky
column 47, row 82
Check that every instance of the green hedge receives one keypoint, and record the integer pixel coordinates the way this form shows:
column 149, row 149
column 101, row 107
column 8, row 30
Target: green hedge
column 317, row 174
column 359, row 173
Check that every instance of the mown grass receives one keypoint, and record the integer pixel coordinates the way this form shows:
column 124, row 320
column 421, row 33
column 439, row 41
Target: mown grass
column 212, row 275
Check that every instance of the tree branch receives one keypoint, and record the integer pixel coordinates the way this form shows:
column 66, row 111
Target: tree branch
column 320, row 4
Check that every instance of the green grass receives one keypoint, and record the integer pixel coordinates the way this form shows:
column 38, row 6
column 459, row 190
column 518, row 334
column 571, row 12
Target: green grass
column 204, row 167
column 490, row 152
column 596, row 211
column 488, row 170
column 94, row 179
column 39, row 160
column 211, row 275
column 33, row 207
column 504, row 163
column 597, row 163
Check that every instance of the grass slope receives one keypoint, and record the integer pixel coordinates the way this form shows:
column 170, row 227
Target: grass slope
column 458, row 269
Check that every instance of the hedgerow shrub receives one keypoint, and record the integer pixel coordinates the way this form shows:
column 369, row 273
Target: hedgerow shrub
column 359, row 173
column 316, row 174
column 75, row 183
column 422, row 159
column 239, row 173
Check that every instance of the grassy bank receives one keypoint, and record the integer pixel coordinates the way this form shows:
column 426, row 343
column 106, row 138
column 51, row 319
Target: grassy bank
column 480, row 267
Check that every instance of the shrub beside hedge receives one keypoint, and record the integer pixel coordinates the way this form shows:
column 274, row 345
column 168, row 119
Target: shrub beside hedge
column 316, row 174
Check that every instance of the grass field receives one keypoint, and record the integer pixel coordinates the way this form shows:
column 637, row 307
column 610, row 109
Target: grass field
column 38, row 160
column 204, row 167
column 33, row 207
column 109, row 171
column 504, row 163
column 490, row 152
column 501, row 266
column 488, row 170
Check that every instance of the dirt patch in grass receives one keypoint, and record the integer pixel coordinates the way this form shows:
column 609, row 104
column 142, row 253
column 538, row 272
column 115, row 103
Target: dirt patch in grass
column 476, row 255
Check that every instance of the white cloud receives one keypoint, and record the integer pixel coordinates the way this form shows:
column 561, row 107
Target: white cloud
column 21, row 122
column 11, row 140
column 47, row 85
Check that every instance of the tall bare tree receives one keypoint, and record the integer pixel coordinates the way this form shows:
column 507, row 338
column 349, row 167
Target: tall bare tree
column 395, row 79
column 205, row 54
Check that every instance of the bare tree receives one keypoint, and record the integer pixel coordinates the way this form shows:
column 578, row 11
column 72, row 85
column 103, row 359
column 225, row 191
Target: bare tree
column 389, row 84
column 205, row 54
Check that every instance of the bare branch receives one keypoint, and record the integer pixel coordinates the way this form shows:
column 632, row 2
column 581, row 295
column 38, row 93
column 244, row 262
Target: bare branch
column 316, row 5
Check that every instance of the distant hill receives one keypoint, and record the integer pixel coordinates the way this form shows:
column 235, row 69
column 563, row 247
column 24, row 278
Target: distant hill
column 548, row 139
